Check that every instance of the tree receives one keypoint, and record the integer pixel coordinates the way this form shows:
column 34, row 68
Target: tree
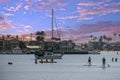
column 8, row 36
column 17, row 37
column 104, row 38
column 91, row 36
column 115, row 36
column 40, row 37
column 119, row 36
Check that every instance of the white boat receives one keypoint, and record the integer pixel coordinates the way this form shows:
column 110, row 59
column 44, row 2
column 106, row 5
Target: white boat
column 93, row 52
column 45, row 54
column 48, row 55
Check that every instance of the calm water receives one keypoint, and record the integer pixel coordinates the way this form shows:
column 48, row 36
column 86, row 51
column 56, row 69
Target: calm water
column 71, row 67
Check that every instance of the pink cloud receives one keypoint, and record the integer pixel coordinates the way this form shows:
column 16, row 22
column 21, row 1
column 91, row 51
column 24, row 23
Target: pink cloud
column 97, row 8
column 4, row 24
column 3, row 0
column 100, row 28
column 89, row 4
column 50, row 3
column 1, row 18
column 60, row 3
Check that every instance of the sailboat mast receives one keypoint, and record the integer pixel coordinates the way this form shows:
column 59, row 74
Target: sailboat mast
column 52, row 29
column 52, row 24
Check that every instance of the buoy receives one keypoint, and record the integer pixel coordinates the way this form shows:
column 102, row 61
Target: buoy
column 10, row 63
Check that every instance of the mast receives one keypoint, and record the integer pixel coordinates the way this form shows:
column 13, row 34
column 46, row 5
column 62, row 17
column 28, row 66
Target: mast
column 52, row 24
column 52, row 29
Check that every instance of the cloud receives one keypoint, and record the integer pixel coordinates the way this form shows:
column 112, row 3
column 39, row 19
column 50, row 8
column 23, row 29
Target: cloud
column 3, row 0
column 8, row 14
column 99, row 28
column 68, row 17
column 1, row 18
column 27, row 26
column 22, row 28
column 26, row 7
column 50, row 4
column 88, row 10
column 4, row 24
column 88, row 4
column 14, row 9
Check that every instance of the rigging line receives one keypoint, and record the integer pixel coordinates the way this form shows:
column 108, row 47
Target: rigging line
column 58, row 32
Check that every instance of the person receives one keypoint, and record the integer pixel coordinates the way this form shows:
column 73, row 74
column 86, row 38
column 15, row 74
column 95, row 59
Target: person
column 103, row 62
column 35, row 61
column 117, row 53
column 89, row 61
column 112, row 59
column 115, row 59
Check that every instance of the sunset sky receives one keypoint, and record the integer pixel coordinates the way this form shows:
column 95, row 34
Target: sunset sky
column 77, row 19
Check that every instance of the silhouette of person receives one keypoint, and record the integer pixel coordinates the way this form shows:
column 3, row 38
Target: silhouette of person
column 112, row 59
column 35, row 61
column 89, row 61
column 115, row 59
column 103, row 62
column 117, row 52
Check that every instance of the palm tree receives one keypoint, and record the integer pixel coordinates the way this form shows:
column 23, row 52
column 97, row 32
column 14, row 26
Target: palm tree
column 100, row 43
column 114, row 37
column 119, row 36
column 8, row 36
column 17, row 37
column 104, row 37
column 40, row 37
column 91, row 36
column 94, row 38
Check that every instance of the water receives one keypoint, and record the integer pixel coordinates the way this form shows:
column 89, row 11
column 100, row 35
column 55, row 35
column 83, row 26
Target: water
column 71, row 67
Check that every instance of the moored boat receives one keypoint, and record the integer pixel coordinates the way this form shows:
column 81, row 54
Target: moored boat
column 50, row 54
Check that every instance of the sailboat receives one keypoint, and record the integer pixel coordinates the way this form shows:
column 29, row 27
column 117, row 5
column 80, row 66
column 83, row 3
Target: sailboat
column 50, row 54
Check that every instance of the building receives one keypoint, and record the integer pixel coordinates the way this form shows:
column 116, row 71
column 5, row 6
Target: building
column 66, row 46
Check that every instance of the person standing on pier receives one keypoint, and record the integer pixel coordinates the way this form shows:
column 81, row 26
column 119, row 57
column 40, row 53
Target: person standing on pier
column 89, row 61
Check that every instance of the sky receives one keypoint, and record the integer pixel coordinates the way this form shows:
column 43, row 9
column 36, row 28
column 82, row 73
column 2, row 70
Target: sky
column 77, row 19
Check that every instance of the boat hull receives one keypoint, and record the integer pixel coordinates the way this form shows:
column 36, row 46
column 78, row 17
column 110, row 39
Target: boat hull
column 49, row 55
